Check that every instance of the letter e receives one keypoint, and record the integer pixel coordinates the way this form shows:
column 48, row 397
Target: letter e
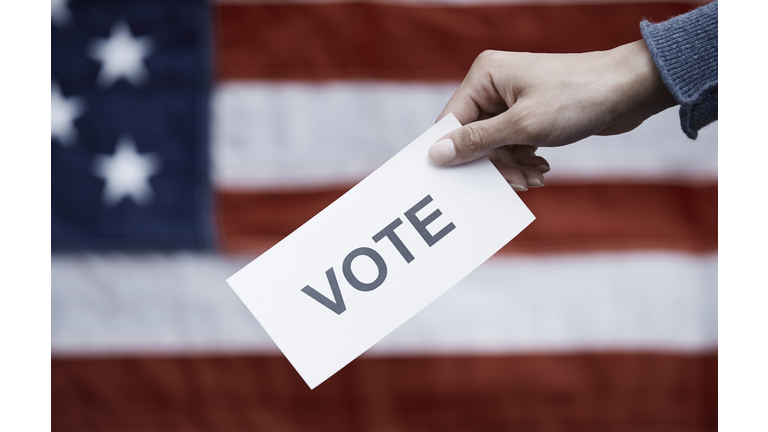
column 421, row 225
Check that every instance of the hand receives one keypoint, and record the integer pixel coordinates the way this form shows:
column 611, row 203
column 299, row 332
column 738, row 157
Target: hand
column 519, row 166
column 510, row 98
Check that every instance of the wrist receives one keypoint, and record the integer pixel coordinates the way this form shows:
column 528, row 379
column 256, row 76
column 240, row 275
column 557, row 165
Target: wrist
column 642, row 85
column 649, row 89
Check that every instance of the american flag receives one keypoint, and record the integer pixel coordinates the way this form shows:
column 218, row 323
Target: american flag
column 187, row 138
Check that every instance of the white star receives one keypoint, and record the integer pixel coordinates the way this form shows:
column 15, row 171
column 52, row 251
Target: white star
column 126, row 173
column 60, row 14
column 64, row 111
column 122, row 56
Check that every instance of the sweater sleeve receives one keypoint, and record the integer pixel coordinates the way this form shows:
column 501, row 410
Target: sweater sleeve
column 684, row 49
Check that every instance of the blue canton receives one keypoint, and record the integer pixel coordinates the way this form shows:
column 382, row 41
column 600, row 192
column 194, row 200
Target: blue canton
column 130, row 86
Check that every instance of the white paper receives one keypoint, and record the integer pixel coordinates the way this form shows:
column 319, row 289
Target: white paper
column 319, row 339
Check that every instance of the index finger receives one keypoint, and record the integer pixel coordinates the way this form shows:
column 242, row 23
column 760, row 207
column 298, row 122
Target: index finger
column 462, row 106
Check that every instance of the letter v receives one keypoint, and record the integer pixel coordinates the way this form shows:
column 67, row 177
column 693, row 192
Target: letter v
column 338, row 304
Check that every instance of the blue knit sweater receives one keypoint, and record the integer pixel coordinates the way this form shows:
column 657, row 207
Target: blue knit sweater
column 684, row 49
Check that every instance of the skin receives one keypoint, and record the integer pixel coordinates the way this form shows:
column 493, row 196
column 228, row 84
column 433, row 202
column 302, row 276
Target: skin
column 512, row 103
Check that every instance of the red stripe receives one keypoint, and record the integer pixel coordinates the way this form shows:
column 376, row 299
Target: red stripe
column 596, row 392
column 569, row 218
column 404, row 42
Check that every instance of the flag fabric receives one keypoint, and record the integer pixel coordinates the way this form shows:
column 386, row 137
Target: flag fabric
column 130, row 86
column 188, row 137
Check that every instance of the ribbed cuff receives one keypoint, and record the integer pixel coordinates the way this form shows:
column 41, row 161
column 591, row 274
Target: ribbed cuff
column 684, row 49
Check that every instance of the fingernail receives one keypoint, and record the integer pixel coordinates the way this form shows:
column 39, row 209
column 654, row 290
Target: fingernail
column 442, row 152
column 543, row 168
column 535, row 183
column 519, row 188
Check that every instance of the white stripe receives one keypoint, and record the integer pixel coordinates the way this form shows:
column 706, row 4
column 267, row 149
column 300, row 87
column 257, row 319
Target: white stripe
column 179, row 303
column 658, row 300
column 286, row 135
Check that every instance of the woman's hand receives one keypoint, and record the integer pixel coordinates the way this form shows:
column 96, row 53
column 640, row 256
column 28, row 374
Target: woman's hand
column 526, row 100
column 520, row 166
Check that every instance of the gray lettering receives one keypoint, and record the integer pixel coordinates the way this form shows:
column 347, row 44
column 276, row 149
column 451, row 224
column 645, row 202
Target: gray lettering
column 389, row 232
column 338, row 304
column 353, row 280
column 421, row 225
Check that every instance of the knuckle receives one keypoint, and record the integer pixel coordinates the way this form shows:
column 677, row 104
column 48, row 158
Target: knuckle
column 485, row 54
column 485, row 57
column 474, row 139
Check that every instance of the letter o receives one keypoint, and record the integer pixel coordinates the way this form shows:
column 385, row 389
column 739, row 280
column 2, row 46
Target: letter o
column 353, row 280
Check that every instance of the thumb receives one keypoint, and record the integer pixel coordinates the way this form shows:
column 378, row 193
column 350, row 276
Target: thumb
column 471, row 141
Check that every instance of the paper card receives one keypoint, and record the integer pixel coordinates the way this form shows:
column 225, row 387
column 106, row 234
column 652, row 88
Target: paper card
column 378, row 255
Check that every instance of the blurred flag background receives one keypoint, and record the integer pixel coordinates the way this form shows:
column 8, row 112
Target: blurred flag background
column 188, row 137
